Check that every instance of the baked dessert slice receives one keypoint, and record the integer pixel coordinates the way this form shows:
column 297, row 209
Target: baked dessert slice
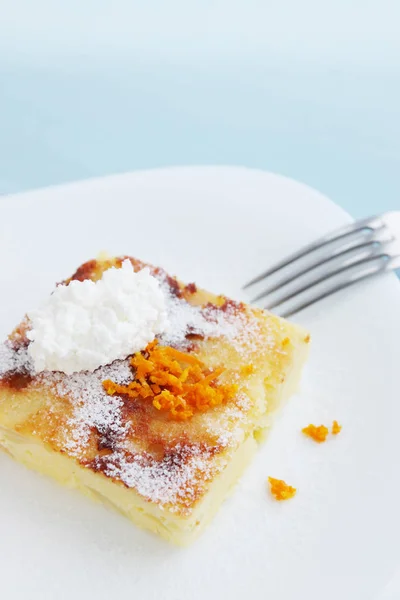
column 163, row 435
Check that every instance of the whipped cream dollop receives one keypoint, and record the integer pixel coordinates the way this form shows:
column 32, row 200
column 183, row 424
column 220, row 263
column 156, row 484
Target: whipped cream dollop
column 86, row 324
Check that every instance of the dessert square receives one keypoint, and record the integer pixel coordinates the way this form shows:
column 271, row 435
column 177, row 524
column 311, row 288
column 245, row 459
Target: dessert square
column 163, row 434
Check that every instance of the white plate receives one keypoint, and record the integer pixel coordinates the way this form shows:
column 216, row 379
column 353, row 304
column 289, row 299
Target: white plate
column 219, row 226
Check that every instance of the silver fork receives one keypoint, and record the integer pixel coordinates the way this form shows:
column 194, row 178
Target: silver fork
column 350, row 254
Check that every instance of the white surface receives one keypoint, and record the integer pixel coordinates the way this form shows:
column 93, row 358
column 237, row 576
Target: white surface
column 339, row 536
column 392, row 589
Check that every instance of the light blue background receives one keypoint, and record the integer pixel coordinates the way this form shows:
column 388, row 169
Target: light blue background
column 305, row 88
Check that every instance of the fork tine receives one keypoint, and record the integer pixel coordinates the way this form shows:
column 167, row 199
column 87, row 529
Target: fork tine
column 335, row 255
column 328, row 275
column 368, row 223
column 391, row 264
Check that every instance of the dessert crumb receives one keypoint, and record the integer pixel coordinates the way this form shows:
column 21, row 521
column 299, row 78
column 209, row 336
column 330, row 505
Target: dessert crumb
column 280, row 489
column 336, row 428
column 318, row 433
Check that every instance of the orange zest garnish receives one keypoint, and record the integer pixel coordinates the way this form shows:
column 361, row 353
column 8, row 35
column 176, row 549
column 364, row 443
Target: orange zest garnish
column 320, row 433
column 317, row 433
column 280, row 489
column 175, row 382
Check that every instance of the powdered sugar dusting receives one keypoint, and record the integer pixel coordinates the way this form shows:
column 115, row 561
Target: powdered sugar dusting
column 225, row 429
column 93, row 407
column 184, row 318
column 171, row 481
column 12, row 359
column 239, row 329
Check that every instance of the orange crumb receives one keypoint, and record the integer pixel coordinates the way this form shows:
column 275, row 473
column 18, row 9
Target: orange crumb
column 280, row 489
column 336, row 428
column 175, row 382
column 317, row 433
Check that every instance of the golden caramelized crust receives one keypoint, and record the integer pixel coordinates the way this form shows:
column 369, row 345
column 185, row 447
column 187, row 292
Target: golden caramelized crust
column 125, row 437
